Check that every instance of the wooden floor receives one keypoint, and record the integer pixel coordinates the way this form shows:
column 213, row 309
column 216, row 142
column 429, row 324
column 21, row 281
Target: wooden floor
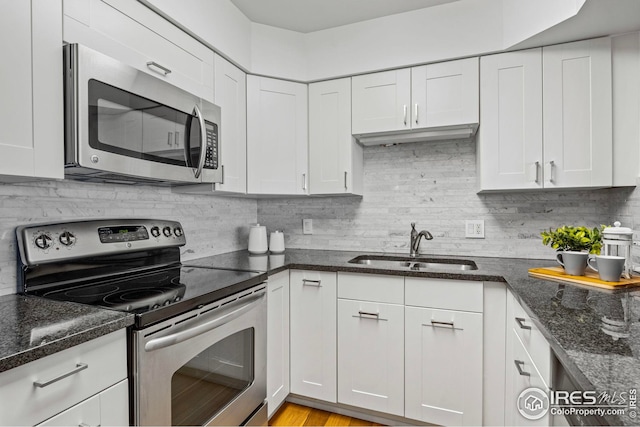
column 291, row 414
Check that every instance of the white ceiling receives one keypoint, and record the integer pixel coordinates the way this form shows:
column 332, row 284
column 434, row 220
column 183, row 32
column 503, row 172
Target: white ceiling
column 312, row 15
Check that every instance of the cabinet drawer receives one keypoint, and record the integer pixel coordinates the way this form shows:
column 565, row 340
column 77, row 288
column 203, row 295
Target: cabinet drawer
column 532, row 339
column 22, row 402
column 131, row 33
column 371, row 287
column 461, row 295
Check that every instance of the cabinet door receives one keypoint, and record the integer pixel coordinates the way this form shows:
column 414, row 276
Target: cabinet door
column 86, row 413
column 31, row 138
column 443, row 371
column 231, row 96
column 334, row 156
column 510, row 138
column 381, row 101
column 277, row 340
column 313, row 334
column 521, row 374
column 371, row 355
column 445, row 94
column 276, row 137
column 577, row 114
column 134, row 34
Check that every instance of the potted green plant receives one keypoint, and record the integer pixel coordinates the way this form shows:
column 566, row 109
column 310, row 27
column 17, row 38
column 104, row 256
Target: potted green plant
column 574, row 245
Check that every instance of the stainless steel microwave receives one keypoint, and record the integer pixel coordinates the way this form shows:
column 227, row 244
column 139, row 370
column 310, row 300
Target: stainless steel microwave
column 123, row 125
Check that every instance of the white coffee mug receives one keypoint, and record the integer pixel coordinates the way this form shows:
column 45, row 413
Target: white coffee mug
column 609, row 268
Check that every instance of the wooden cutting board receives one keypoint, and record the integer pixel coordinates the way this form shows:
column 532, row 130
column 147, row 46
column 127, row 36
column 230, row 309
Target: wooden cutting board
column 591, row 278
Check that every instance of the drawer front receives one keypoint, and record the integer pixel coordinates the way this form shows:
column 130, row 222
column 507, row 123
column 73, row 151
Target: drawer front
column 460, row 295
column 532, row 339
column 22, row 402
column 133, row 34
column 371, row 287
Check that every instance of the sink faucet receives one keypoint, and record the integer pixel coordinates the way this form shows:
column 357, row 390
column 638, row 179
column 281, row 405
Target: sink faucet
column 415, row 239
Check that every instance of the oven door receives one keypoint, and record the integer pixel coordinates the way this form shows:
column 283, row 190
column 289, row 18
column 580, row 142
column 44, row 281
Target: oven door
column 204, row 367
column 119, row 120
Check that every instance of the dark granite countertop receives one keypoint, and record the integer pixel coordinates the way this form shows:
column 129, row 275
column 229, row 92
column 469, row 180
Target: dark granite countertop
column 33, row 327
column 594, row 333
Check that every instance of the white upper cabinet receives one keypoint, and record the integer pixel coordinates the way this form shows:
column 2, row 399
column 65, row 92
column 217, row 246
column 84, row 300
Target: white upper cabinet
column 445, row 94
column 335, row 158
column 277, row 142
column 547, row 118
column 442, row 95
column 31, row 138
column 577, row 114
column 231, row 97
column 381, row 102
column 134, row 34
column 510, row 136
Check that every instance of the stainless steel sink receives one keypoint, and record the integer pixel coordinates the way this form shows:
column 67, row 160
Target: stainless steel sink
column 417, row 263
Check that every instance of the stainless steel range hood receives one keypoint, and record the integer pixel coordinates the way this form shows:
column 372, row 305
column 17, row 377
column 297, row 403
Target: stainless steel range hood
column 419, row 135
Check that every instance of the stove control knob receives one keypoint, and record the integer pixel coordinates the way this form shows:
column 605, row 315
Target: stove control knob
column 155, row 306
column 43, row 241
column 177, row 231
column 167, row 302
column 155, row 231
column 166, row 231
column 67, row 239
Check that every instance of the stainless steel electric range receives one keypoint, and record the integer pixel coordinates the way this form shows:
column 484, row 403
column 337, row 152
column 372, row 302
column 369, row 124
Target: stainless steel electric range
column 197, row 350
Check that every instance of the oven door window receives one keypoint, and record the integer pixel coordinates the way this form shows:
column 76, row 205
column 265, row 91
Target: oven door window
column 204, row 385
column 123, row 123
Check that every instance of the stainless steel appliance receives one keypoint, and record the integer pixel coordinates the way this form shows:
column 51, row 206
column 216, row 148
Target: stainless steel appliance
column 197, row 350
column 124, row 125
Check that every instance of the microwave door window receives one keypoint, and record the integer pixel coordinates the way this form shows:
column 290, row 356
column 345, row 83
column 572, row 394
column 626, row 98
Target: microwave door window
column 163, row 135
column 119, row 126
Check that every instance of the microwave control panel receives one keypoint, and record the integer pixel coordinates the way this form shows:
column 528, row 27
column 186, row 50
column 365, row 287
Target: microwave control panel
column 211, row 157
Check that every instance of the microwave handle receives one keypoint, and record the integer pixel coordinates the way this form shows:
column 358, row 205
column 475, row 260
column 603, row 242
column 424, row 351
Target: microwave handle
column 203, row 142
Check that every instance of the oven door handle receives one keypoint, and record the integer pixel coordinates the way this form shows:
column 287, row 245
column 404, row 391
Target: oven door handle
column 225, row 315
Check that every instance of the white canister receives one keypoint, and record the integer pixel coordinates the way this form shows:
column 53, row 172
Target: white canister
column 258, row 239
column 276, row 242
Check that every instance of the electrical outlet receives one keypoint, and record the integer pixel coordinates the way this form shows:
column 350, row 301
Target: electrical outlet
column 307, row 226
column 474, row 229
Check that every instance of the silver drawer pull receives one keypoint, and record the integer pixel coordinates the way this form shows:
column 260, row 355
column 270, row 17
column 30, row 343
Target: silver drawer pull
column 520, row 363
column 154, row 66
column 447, row 325
column 520, row 321
column 86, row 425
column 79, row 367
column 369, row 315
column 316, row 283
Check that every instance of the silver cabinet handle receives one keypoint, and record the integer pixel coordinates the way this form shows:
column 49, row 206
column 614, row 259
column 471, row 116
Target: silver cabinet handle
column 368, row 315
column 177, row 140
column 345, row 181
column 404, row 109
column 203, row 140
column 170, row 139
column 519, row 366
column 154, row 66
column 304, row 181
column 537, row 166
column 416, row 112
column 447, row 325
column 316, row 283
column 548, row 171
column 86, row 425
column 520, row 321
column 222, row 169
column 79, row 367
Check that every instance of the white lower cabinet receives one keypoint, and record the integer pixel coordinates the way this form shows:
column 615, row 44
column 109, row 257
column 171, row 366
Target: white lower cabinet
column 313, row 334
column 110, row 408
column 277, row 340
column 371, row 355
column 443, row 372
column 82, row 384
